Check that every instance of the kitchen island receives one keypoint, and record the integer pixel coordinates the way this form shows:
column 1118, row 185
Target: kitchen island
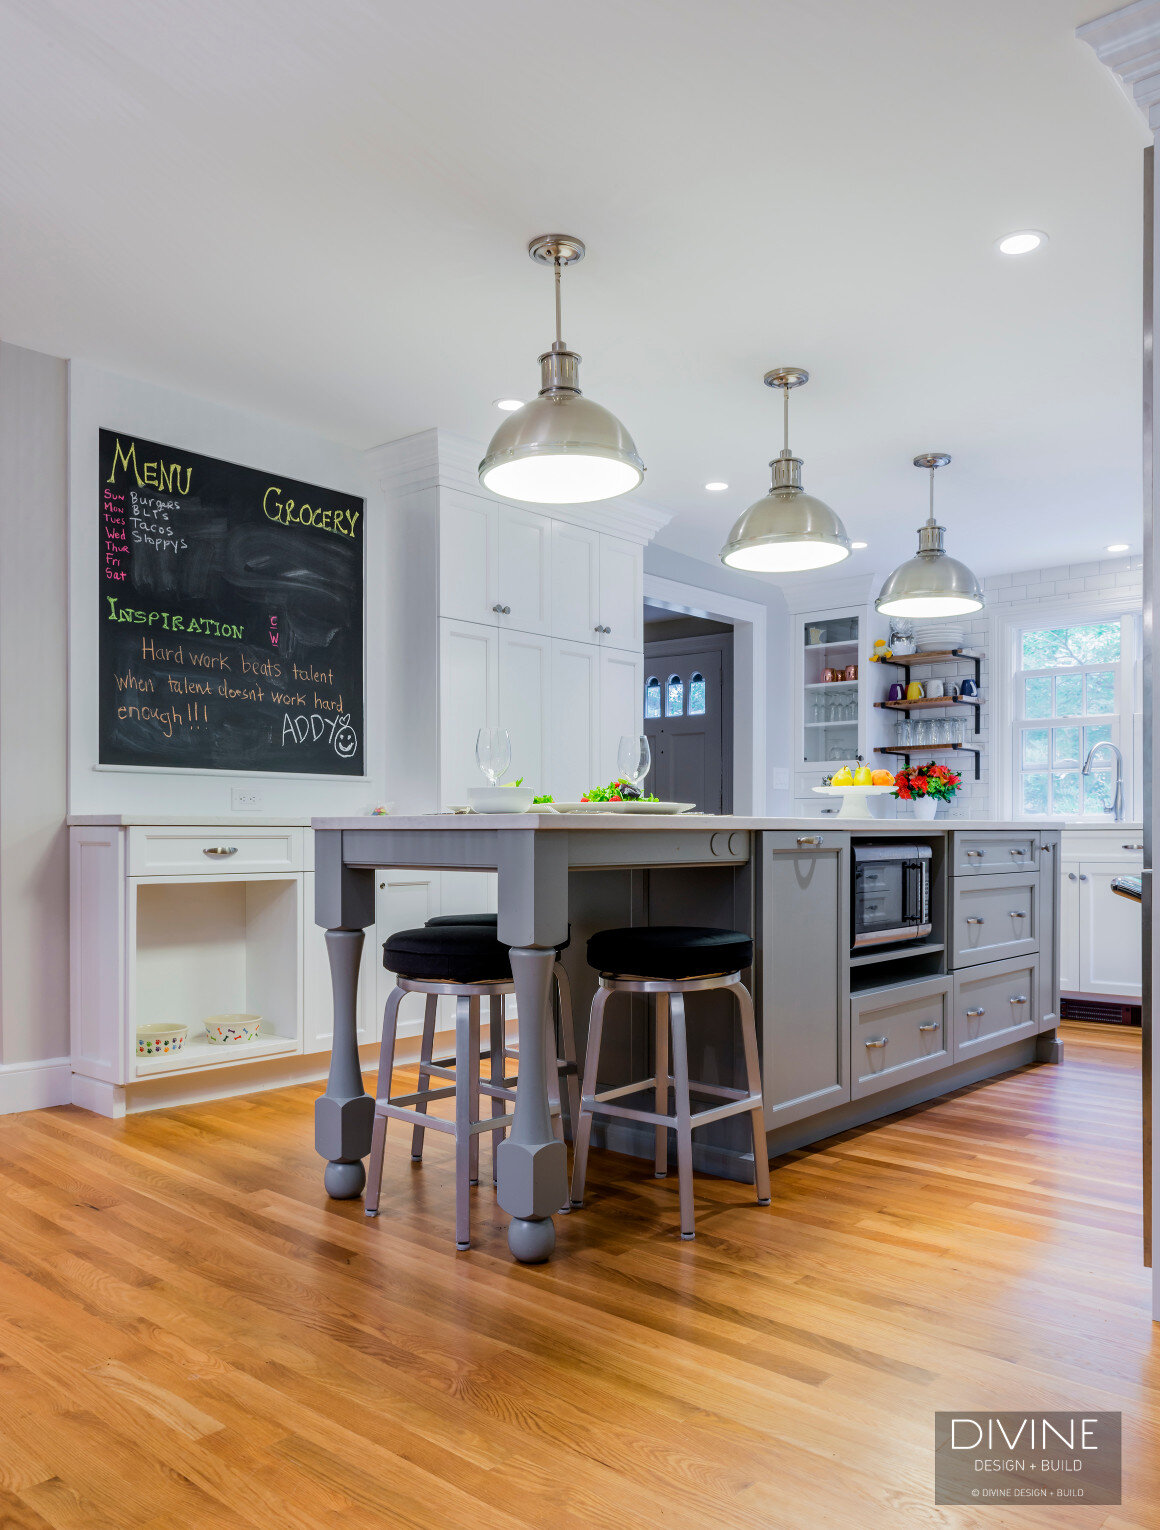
column 847, row 1035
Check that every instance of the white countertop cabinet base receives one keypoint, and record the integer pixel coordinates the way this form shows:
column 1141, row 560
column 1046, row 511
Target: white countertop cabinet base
column 1100, row 933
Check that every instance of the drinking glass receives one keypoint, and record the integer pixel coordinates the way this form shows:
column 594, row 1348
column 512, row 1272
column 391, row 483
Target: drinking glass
column 633, row 758
column 905, row 732
column 922, row 732
column 493, row 753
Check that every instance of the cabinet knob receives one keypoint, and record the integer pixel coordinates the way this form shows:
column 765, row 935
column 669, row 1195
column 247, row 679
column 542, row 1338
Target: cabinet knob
column 929, row 1025
column 975, row 1013
column 1083, row 876
column 809, row 839
column 605, row 630
column 1071, row 877
column 219, row 850
column 974, row 919
column 876, row 1041
column 502, row 610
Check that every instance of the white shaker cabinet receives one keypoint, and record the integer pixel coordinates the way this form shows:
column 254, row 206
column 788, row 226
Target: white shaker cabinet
column 1100, row 934
column 575, row 583
column 574, row 746
column 621, row 705
column 494, row 563
column 524, row 690
column 621, row 593
column 468, row 701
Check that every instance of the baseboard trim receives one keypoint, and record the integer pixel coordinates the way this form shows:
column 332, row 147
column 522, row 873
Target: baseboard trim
column 35, row 1085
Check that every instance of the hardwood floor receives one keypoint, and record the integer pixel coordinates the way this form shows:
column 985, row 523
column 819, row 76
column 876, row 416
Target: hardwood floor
column 191, row 1335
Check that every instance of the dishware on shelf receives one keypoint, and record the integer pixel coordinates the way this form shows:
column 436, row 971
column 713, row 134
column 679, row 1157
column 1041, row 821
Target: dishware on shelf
column 952, row 690
column 851, row 672
column 159, row 1039
column 934, row 690
column 830, row 675
column 905, row 733
column 493, row 753
column 633, row 759
column 500, row 799
column 233, row 1029
column 968, row 687
column 853, row 798
column 915, row 691
column 896, row 692
column 922, row 733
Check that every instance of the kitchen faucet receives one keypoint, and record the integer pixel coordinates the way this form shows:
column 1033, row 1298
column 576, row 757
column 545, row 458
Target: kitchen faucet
column 1117, row 808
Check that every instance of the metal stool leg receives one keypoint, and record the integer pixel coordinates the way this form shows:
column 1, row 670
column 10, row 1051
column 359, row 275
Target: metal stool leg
column 496, row 1040
column 382, row 1092
column 568, row 1045
column 583, row 1132
column 661, row 1088
column 426, row 1051
column 684, row 1126
column 470, row 1065
column 753, row 1081
column 466, row 1032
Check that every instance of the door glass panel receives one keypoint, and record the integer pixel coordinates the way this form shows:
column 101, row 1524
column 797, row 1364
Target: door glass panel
column 1035, row 747
column 1069, row 696
column 1035, row 792
column 675, row 697
column 1101, row 692
column 1065, row 746
column 1065, row 793
column 697, row 695
column 1037, row 697
column 652, row 697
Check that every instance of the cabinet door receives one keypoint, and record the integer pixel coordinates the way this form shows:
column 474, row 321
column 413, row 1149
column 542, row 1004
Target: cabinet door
column 1110, row 956
column 317, row 999
column 621, row 593
column 1068, row 958
column 1049, row 932
column 525, row 662
column 574, row 739
column 520, row 577
column 621, row 705
column 467, row 550
column 575, row 583
column 468, row 701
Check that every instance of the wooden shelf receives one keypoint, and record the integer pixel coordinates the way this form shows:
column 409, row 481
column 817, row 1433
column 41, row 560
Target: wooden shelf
column 932, row 656
column 928, row 702
column 926, row 749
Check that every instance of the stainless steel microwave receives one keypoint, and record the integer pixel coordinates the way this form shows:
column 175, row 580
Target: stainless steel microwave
column 891, row 893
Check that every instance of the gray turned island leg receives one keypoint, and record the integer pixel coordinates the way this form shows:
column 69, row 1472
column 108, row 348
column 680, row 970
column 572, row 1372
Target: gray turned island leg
column 344, row 904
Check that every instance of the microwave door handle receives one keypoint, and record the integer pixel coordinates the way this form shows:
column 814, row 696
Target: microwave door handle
column 912, row 914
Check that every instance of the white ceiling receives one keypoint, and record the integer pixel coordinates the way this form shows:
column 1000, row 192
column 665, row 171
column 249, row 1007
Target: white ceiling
column 320, row 212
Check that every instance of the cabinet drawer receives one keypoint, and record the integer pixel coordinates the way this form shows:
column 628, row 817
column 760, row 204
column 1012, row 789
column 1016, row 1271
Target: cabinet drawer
column 985, row 854
column 993, row 918
column 899, row 1033
column 994, row 1006
column 180, row 852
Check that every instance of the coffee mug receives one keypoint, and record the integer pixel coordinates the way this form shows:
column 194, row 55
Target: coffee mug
column 934, row 688
column 952, row 690
column 831, row 675
column 851, row 672
column 914, row 691
column 896, row 693
column 968, row 688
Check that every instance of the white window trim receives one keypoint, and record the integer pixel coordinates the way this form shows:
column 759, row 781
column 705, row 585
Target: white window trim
column 1006, row 625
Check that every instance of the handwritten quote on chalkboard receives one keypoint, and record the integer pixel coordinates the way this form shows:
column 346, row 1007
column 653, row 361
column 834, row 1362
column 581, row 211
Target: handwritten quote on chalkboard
column 231, row 616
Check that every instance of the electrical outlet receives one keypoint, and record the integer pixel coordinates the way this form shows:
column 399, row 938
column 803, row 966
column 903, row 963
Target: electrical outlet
column 245, row 799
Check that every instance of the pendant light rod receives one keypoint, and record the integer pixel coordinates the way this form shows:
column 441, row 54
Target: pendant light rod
column 931, row 583
column 559, row 333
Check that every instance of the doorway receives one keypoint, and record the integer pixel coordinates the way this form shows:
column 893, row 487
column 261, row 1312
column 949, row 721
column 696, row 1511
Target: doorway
column 688, row 707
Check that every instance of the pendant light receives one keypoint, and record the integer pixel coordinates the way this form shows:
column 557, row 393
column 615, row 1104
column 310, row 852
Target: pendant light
column 561, row 448
column 787, row 529
column 931, row 583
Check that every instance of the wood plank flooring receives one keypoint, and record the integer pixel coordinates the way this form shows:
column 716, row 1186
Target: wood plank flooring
column 191, row 1335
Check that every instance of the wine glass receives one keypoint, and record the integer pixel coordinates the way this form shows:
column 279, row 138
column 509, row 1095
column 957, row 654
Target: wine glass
column 493, row 752
column 633, row 760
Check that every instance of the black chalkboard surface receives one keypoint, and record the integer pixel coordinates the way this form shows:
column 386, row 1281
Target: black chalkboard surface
column 231, row 616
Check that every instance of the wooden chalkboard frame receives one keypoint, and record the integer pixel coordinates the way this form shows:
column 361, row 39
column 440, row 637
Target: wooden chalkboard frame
column 291, row 572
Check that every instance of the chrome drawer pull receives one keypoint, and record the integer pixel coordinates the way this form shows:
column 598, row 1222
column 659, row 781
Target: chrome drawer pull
column 876, row 1041
column 1017, row 913
column 974, row 852
column 974, row 1013
column 1020, row 998
column 220, row 850
column 1016, row 851
column 502, row 610
column 809, row 839
column 972, row 919
column 930, row 1025
column 1131, row 847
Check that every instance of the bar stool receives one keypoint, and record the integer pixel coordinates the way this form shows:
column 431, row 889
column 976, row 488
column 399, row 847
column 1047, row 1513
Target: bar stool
column 671, row 961
column 469, row 964
column 498, row 1050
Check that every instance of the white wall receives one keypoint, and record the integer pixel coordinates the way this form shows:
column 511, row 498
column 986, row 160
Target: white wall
column 101, row 399
column 34, row 949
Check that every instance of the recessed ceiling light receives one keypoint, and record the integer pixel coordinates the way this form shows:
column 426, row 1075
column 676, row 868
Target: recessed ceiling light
column 1117, row 547
column 1022, row 243
column 508, row 405
column 859, row 545
column 716, row 486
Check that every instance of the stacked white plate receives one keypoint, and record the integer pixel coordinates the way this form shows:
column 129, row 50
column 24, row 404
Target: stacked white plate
column 937, row 636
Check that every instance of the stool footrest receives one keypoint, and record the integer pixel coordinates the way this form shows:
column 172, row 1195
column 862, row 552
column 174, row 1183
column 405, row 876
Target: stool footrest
column 438, row 1124
column 596, row 1104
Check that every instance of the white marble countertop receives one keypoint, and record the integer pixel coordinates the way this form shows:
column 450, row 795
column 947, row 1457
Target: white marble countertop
column 654, row 822
column 185, row 821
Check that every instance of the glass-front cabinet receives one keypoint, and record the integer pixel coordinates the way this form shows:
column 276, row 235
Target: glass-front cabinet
column 834, row 719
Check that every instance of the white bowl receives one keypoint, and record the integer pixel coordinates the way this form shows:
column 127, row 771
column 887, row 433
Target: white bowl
column 156, row 1040
column 233, row 1028
column 500, row 799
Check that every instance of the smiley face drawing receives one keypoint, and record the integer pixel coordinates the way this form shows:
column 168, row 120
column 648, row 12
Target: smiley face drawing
column 344, row 738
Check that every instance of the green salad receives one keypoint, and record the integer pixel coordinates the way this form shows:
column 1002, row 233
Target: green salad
column 613, row 792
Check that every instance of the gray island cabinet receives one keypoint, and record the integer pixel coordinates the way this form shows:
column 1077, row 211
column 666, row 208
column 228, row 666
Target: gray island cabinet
column 847, row 1035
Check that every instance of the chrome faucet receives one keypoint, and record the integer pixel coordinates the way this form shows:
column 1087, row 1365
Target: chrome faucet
column 1117, row 808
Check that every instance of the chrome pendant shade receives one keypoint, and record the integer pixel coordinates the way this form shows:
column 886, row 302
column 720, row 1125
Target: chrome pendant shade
column 787, row 529
column 931, row 583
column 561, row 448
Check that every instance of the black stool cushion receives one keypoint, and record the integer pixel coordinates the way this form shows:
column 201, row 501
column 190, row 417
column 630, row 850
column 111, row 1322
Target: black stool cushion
column 669, row 951
column 463, row 953
column 450, row 921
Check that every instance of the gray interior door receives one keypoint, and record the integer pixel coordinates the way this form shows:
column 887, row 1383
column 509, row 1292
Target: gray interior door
column 689, row 692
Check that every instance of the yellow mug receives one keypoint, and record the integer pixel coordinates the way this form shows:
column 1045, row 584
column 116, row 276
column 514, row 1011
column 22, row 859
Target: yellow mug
column 914, row 691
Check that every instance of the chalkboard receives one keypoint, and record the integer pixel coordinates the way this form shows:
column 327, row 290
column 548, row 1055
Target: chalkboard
column 231, row 616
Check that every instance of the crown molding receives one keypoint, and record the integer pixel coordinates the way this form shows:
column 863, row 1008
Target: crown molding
column 1127, row 41
column 433, row 459
column 820, row 593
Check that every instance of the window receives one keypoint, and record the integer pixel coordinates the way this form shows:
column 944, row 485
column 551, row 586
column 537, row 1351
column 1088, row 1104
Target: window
column 696, row 695
column 1068, row 695
column 674, row 697
column 652, row 697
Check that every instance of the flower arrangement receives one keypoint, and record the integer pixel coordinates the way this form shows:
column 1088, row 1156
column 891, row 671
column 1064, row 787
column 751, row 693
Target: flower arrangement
column 926, row 781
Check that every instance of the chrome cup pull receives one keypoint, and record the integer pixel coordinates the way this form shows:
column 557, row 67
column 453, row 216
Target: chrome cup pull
column 876, row 1041
column 220, row 850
